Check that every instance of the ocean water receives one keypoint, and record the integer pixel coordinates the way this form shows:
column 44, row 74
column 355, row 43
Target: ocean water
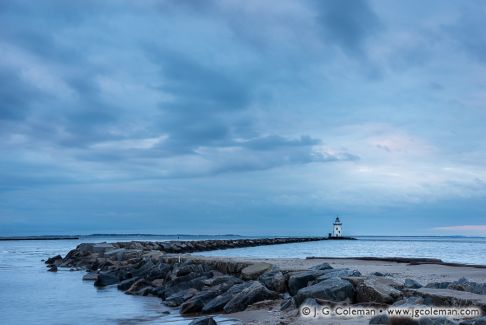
column 466, row 250
column 31, row 295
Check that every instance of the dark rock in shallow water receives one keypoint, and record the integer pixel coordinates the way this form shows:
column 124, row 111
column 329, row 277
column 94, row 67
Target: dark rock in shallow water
column 56, row 260
column 192, row 280
column 107, row 278
column 180, row 297
column 380, row 320
column 217, row 303
column 301, row 279
column 197, row 302
column 90, row 276
column 274, row 280
column 254, row 293
column 203, row 321
column 53, row 268
column 411, row 284
column 334, row 289
column 126, row 284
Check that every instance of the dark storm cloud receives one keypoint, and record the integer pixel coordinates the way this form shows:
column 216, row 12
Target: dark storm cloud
column 16, row 95
column 347, row 23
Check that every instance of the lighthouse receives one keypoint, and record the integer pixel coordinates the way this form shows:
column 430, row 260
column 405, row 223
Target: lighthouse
column 337, row 228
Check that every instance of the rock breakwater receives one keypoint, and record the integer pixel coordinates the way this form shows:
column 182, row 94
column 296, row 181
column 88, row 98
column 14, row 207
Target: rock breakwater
column 200, row 285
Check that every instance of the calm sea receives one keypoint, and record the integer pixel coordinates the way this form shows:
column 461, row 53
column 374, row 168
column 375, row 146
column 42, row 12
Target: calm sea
column 31, row 295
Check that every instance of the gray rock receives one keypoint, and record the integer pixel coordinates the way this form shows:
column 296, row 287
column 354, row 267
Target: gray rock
column 301, row 279
column 186, row 282
column 254, row 293
column 197, row 302
column 222, row 279
column 253, row 271
column 90, row 276
column 107, row 278
column 333, row 289
column 191, row 268
column 274, row 280
column 435, row 321
column 56, row 260
column 377, row 289
column 288, row 303
column 217, row 303
column 339, row 273
column 453, row 298
column 321, row 267
column 180, row 297
column 411, row 284
column 126, row 284
column 203, row 321
column 438, row 285
column 476, row 321
column 380, row 320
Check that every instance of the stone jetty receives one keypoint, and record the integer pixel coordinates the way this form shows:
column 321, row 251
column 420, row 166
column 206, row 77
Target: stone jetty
column 204, row 286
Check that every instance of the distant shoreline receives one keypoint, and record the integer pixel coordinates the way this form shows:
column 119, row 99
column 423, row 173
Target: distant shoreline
column 40, row 238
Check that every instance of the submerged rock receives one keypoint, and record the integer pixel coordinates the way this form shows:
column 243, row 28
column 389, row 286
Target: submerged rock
column 203, row 321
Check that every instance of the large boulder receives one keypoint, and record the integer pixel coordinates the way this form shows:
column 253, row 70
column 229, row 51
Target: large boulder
column 186, row 282
column 452, row 298
column 126, row 284
column 222, row 279
column 333, row 289
column 253, row 271
column 197, row 302
column 301, row 279
column 464, row 285
column 274, row 280
column 254, row 293
column 411, row 284
column 191, row 268
column 217, row 303
column 180, row 297
column 107, row 278
column 322, row 266
column 90, row 276
column 339, row 273
column 377, row 289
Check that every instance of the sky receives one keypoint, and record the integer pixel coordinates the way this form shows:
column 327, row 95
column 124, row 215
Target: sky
column 243, row 117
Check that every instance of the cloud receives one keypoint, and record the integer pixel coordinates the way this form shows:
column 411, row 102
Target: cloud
column 349, row 24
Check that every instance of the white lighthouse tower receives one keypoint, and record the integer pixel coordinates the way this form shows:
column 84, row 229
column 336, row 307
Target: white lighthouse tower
column 337, row 228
